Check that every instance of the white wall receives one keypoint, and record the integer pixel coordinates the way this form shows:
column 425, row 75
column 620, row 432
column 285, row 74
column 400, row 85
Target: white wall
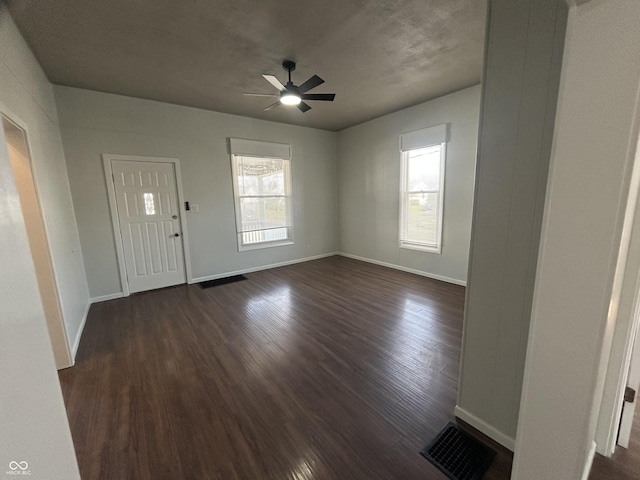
column 585, row 203
column 26, row 93
column 369, row 183
column 522, row 72
column 94, row 123
column 32, row 417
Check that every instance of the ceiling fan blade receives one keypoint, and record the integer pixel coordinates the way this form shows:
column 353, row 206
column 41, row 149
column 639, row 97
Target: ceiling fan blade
column 274, row 81
column 303, row 107
column 261, row 94
column 313, row 82
column 327, row 97
column 273, row 105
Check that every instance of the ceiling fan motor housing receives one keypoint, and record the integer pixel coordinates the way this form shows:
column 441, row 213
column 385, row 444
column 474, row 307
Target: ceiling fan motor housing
column 289, row 65
column 291, row 89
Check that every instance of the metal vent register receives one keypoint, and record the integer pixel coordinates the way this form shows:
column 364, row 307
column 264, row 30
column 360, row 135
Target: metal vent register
column 458, row 455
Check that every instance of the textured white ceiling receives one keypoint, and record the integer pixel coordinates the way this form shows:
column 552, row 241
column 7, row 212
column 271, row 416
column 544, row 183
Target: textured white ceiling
column 377, row 56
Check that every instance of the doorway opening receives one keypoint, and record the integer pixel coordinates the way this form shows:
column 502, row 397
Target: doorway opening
column 18, row 148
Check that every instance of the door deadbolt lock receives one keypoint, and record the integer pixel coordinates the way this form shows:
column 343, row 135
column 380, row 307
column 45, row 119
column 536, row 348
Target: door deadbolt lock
column 174, row 217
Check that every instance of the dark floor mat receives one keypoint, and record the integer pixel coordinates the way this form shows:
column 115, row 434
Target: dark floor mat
column 458, row 455
column 221, row 281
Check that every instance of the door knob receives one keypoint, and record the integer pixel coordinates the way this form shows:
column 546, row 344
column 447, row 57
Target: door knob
column 175, row 235
column 174, row 217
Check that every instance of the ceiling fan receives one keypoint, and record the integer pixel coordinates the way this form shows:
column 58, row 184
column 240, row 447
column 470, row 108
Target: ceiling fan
column 291, row 94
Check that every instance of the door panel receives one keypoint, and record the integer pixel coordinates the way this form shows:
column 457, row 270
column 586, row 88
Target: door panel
column 148, row 215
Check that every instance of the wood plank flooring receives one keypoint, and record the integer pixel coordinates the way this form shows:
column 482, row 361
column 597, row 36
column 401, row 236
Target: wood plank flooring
column 330, row 369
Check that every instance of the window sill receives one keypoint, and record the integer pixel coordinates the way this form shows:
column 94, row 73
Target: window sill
column 261, row 245
column 421, row 248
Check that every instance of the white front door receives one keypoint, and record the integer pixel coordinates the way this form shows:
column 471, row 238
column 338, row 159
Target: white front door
column 149, row 219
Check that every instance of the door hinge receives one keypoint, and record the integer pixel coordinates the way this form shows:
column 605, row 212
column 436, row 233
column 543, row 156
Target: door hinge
column 629, row 395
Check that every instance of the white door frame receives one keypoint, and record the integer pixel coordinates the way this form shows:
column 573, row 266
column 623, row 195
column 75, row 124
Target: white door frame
column 115, row 223
column 66, row 349
column 624, row 312
column 628, row 411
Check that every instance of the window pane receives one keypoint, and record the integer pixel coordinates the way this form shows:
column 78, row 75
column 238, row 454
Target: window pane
column 260, row 213
column 261, row 176
column 149, row 204
column 272, row 184
column 422, row 218
column 424, row 169
column 275, row 212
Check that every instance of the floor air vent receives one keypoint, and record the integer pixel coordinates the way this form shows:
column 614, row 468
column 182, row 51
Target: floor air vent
column 458, row 455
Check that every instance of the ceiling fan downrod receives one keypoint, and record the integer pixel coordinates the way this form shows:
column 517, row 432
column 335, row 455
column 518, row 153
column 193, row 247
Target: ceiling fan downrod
column 289, row 66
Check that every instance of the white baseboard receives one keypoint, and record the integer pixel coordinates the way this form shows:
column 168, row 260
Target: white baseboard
column 455, row 281
column 264, row 267
column 76, row 341
column 104, row 298
column 491, row 432
column 589, row 462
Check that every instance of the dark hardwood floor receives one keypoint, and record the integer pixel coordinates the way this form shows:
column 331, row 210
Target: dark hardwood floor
column 330, row 369
column 625, row 463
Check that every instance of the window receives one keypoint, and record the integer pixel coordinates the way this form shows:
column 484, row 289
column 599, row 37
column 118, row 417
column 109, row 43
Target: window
column 422, row 189
column 149, row 204
column 262, row 190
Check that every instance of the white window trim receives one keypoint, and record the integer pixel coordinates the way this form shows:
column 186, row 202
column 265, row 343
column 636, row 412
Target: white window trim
column 266, row 150
column 428, row 137
column 261, row 245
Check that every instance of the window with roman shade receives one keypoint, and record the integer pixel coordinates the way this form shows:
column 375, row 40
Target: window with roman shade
column 262, row 193
column 423, row 154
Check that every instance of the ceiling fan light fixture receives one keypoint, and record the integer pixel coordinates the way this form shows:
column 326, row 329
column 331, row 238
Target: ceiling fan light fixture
column 290, row 99
column 291, row 94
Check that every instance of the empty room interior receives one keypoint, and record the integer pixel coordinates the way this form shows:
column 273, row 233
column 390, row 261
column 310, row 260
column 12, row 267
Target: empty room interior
column 309, row 240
